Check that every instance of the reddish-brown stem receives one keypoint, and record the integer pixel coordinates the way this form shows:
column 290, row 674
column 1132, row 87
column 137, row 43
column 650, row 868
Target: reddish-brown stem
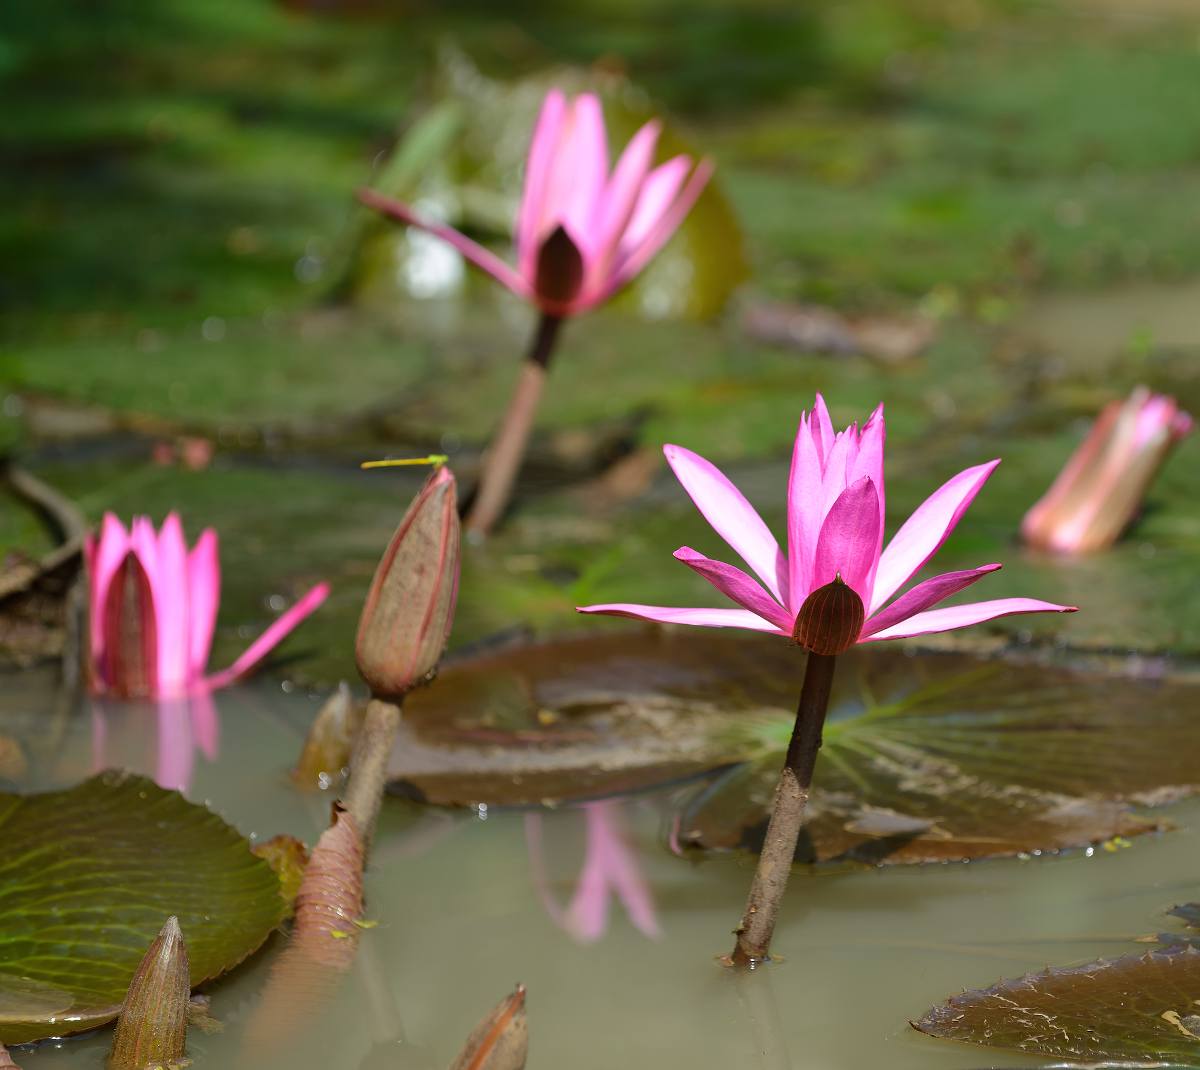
column 507, row 450
column 787, row 816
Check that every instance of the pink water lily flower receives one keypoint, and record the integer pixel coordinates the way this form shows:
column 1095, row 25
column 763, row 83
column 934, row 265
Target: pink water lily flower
column 835, row 518
column 1098, row 493
column 154, row 609
column 582, row 231
column 610, row 868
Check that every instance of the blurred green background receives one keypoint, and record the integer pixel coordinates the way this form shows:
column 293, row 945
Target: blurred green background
column 993, row 203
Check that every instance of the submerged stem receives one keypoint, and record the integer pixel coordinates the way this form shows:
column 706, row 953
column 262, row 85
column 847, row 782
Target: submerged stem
column 787, row 816
column 507, row 449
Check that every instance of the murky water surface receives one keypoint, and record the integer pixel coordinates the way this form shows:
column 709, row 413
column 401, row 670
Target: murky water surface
column 469, row 903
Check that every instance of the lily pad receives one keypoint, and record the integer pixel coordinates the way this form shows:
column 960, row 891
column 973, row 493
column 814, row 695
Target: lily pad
column 942, row 757
column 568, row 720
column 933, row 757
column 87, row 877
column 1140, row 1010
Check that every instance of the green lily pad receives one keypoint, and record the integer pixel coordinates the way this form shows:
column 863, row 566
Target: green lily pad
column 87, row 877
column 1139, row 1010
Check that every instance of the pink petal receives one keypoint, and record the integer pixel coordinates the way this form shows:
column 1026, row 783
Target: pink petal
column 615, row 207
column 657, row 194
column 731, row 516
column 951, row 617
column 804, row 512
column 473, row 251
column 923, row 533
column 582, row 164
column 924, row 595
column 635, row 255
column 204, row 585
column 735, row 584
column 172, row 608
column 537, row 170
column 272, row 637
column 849, row 539
column 105, row 557
column 703, row 618
column 823, row 433
column 869, row 462
column 587, row 916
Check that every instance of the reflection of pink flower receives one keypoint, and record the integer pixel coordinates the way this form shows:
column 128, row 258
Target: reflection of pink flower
column 581, row 232
column 610, row 867
column 183, row 723
column 835, row 514
column 154, row 608
column 1101, row 488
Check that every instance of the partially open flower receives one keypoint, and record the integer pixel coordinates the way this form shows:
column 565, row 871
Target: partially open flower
column 1099, row 492
column 154, row 610
column 584, row 229
column 409, row 610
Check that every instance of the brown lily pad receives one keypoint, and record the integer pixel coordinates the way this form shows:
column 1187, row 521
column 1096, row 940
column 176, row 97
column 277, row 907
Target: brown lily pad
column 566, row 721
column 1139, row 1010
column 927, row 758
column 949, row 757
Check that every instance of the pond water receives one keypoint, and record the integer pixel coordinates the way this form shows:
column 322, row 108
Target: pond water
column 467, row 903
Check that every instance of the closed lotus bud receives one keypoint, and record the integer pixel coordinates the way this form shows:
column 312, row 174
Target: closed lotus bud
column 410, row 607
column 1100, row 490
column 559, row 269
column 830, row 620
column 152, row 1028
column 501, row 1040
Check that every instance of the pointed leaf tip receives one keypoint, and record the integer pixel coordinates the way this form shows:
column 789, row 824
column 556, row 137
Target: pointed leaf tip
column 501, row 1040
column 152, row 1027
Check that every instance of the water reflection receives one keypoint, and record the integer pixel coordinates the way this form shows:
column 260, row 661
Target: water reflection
column 162, row 736
column 610, row 867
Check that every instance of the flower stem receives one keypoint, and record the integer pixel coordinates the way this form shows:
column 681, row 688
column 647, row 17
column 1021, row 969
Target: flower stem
column 787, row 816
column 507, row 450
column 368, row 766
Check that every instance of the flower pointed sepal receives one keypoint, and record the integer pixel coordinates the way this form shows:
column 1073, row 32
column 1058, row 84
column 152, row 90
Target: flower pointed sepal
column 830, row 620
column 560, row 270
column 152, row 1028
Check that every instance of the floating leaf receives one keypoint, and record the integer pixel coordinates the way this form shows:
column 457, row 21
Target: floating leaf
column 930, row 757
column 569, row 720
column 109, row 859
column 288, row 857
column 941, row 757
column 1138, row 1009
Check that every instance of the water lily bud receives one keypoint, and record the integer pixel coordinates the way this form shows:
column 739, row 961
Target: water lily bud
column 152, row 1029
column 1099, row 491
column 830, row 620
column 408, row 612
column 129, row 663
column 501, row 1040
column 559, row 270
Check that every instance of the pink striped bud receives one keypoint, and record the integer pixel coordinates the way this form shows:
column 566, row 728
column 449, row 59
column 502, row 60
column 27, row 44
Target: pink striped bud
column 409, row 610
column 1100, row 490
